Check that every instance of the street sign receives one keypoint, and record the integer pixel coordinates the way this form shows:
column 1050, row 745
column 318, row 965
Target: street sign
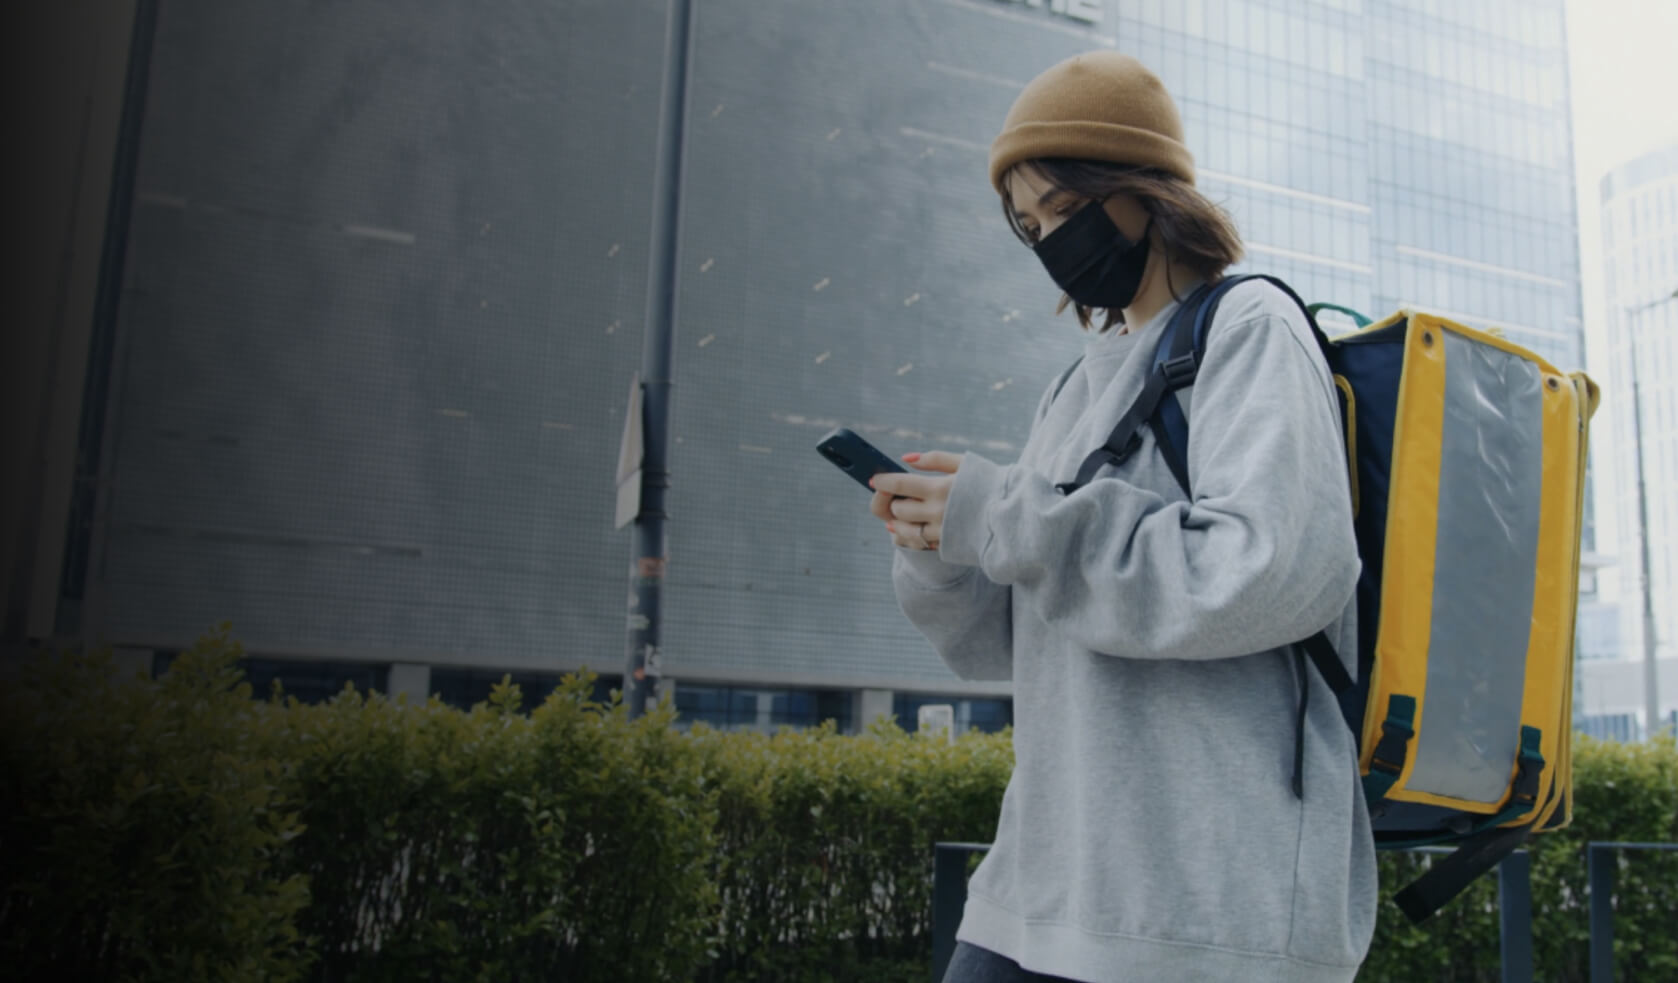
column 630, row 450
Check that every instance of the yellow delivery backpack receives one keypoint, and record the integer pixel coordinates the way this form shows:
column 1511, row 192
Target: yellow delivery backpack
column 1467, row 465
column 1469, row 494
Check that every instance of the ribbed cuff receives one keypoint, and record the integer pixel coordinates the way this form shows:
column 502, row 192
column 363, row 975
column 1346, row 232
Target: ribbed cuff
column 1061, row 949
column 925, row 570
column 978, row 483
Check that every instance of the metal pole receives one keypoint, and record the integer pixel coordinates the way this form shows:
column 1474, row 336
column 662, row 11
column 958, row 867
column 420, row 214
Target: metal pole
column 1651, row 680
column 649, row 560
column 1514, row 917
column 1651, row 694
column 949, row 898
column 1599, row 864
column 1602, row 859
column 73, row 614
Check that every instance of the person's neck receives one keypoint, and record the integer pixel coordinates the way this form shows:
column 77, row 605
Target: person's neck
column 1156, row 290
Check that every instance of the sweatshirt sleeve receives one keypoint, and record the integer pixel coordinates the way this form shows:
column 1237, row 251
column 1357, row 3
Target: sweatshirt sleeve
column 967, row 616
column 1263, row 556
column 964, row 614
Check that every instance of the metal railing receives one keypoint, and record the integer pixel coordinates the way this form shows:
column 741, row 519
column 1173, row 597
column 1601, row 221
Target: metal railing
column 1514, row 888
column 1601, row 864
column 949, row 896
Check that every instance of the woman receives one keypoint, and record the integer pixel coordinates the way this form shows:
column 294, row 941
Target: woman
column 1151, row 830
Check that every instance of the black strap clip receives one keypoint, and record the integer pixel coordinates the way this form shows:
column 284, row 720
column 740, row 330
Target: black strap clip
column 1179, row 371
column 1527, row 775
column 1123, row 453
column 1114, row 457
column 1391, row 751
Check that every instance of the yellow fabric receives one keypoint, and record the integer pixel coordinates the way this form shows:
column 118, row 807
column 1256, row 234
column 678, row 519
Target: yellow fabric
column 1561, row 798
column 1556, row 582
column 1401, row 651
column 1412, row 514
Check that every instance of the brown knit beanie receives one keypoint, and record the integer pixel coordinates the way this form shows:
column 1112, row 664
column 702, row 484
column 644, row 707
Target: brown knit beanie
column 1097, row 106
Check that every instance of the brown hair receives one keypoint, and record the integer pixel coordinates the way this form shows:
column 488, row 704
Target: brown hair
column 1195, row 232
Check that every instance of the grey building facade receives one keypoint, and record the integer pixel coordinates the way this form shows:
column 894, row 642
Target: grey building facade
column 364, row 365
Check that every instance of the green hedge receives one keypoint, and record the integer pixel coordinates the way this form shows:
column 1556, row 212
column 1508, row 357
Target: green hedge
column 824, row 869
column 1626, row 792
column 494, row 845
column 142, row 826
column 181, row 830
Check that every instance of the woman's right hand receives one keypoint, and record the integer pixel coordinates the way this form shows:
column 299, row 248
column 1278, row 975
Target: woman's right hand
column 912, row 505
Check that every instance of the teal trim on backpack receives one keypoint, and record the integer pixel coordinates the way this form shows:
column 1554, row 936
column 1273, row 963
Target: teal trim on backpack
column 1358, row 319
column 1522, row 797
column 1397, row 731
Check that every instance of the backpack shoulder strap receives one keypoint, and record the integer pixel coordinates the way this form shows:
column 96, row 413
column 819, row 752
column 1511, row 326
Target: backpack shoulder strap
column 1176, row 360
column 1322, row 655
column 1195, row 342
column 1126, row 436
column 1180, row 354
column 1182, row 347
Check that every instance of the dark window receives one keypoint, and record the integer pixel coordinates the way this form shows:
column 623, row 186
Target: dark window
column 726, row 707
column 464, row 688
column 309, row 681
column 793, row 708
column 988, row 715
column 312, row 682
column 1621, row 727
column 719, row 706
column 810, row 707
column 837, row 705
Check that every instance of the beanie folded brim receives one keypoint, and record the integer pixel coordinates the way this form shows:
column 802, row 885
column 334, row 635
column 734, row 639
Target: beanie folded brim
column 1088, row 140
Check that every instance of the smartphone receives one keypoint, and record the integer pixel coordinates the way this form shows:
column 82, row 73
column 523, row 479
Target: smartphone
column 855, row 456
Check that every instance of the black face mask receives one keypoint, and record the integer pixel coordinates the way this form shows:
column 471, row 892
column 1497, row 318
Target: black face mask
column 1090, row 259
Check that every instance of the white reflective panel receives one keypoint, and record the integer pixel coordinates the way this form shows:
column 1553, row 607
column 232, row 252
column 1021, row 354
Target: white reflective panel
column 1490, row 481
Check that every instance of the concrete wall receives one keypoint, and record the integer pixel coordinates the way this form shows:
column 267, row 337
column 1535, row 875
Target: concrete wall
column 70, row 109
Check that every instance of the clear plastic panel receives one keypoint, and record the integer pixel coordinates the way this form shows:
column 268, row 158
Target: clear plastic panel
column 1491, row 465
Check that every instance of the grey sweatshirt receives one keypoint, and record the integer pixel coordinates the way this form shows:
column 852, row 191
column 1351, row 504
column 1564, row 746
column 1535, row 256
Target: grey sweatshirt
column 1150, row 831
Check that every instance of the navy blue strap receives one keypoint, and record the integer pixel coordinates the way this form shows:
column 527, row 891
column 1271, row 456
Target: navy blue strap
column 1178, row 358
column 1448, row 877
column 1125, row 438
column 1182, row 347
column 1299, row 727
column 1322, row 654
column 1171, row 432
column 1320, row 651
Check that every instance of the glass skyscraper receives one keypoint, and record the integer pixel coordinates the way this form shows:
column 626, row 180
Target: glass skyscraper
column 377, row 322
column 1640, row 239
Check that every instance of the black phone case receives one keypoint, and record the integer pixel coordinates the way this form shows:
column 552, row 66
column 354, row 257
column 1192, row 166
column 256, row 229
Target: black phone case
column 855, row 456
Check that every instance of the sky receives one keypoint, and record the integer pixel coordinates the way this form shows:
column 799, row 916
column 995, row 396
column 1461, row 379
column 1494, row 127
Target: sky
column 1623, row 63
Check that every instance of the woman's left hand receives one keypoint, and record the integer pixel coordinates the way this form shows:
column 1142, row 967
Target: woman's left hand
column 912, row 505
